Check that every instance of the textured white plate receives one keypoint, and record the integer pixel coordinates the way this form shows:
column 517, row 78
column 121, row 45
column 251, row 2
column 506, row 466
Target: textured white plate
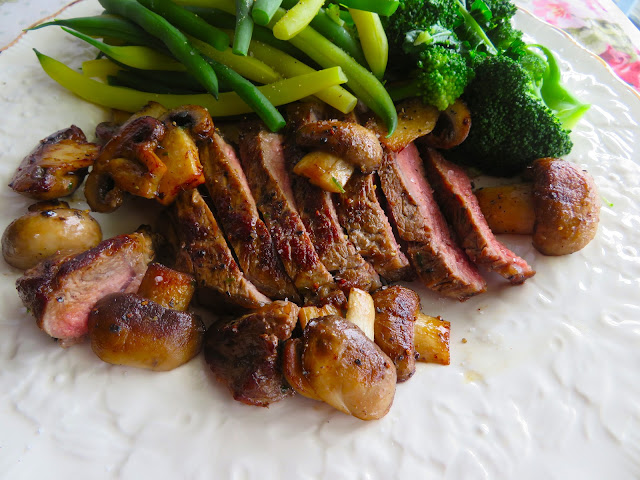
column 546, row 385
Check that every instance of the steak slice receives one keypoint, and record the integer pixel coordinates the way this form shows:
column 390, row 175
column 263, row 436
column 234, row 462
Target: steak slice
column 368, row 228
column 336, row 252
column 262, row 156
column 440, row 263
column 453, row 192
column 203, row 251
column 397, row 308
column 245, row 353
column 236, row 210
column 61, row 291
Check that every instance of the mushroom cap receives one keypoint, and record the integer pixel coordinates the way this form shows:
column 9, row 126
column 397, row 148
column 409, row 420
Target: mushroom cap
column 566, row 204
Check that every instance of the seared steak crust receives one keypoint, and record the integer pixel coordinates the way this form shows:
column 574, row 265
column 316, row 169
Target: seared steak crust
column 453, row 192
column 396, row 311
column 245, row 353
column 368, row 228
column 262, row 157
column 61, row 291
column 247, row 234
column 441, row 264
column 203, row 251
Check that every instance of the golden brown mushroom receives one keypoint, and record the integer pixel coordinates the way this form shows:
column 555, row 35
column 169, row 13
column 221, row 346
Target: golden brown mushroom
column 127, row 329
column 48, row 229
column 56, row 167
column 336, row 363
column 127, row 163
column 560, row 208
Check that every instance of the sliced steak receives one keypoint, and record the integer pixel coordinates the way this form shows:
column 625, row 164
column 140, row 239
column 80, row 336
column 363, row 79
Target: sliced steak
column 61, row 291
column 452, row 188
column 441, row 264
column 244, row 229
column 368, row 228
column 203, row 251
column 262, row 157
column 245, row 353
column 318, row 212
column 397, row 308
column 336, row 252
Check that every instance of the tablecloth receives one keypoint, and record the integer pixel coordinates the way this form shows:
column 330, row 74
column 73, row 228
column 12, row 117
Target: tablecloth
column 598, row 25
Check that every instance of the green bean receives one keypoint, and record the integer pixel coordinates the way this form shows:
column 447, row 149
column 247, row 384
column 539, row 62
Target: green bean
column 295, row 19
column 247, row 66
column 175, row 40
column 263, row 10
column 373, row 39
column 229, row 103
column 188, row 22
column 339, row 35
column 244, row 27
column 253, row 97
column 124, row 78
column 143, row 58
column 337, row 97
column 107, row 26
column 381, row 7
column 361, row 82
column 100, row 68
column 221, row 19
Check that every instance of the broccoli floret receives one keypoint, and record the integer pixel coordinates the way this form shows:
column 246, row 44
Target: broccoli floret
column 442, row 76
column 418, row 15
column 426, row 54
column 511, row 125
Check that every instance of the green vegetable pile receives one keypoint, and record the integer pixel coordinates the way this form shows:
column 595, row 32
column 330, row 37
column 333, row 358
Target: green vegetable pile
column 235, row 57
column 520, row 111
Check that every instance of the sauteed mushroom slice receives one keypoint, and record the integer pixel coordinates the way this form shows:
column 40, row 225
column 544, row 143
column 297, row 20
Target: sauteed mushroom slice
column 195, row 120
column 452, row 127
column 127, row 163
column 56, row 167
column 188, row 127
column 350, row 141
column 415, row 120
column 567, row 207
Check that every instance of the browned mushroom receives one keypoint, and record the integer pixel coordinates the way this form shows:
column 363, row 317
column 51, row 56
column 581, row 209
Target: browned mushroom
column 127, row 329
column 56, row 167
column 415, row 120
column 127, row 163
column 48, row 229
column 452, row 127
column 350, row 141
column 560, row 208
column 336, row 363
column 167, row 287
column 188, row 128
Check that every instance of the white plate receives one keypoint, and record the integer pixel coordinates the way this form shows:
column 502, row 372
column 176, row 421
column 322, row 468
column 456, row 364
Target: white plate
column 546, row 385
